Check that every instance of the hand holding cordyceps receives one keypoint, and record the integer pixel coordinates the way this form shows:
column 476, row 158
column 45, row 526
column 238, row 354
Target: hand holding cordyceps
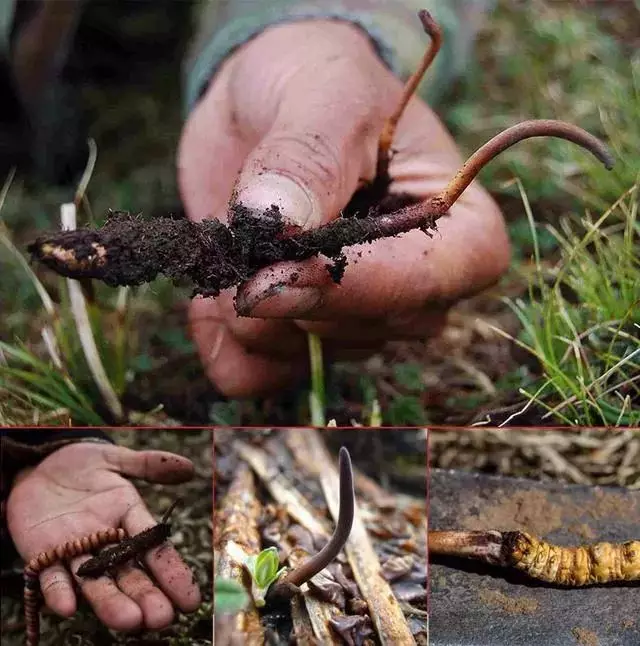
column 81, row 489
column 293, row 118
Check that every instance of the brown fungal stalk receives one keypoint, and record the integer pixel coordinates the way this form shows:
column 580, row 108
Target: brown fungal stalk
column 290, row 583
column 213, row 256
column 584, row 565
column 432, row 28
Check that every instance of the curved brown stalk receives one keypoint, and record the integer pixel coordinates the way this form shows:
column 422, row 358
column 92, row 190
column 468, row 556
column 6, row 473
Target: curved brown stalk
column 285, row 586
column 595, row 564
column 524, row 130
column 432, row 28
column 130, row 251
column 425, row 214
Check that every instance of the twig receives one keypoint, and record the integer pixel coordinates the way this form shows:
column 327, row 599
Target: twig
column 281, row 488
column 594, row 564
column 237, row 538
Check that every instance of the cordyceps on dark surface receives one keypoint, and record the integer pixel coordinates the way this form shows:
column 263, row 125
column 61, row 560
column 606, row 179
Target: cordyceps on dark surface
column 494, row 581
column 213, row 256
column 583, row 565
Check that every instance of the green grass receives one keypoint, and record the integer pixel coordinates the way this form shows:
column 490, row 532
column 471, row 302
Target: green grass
column 581, row 319
column 62, row 382
column 553, row 61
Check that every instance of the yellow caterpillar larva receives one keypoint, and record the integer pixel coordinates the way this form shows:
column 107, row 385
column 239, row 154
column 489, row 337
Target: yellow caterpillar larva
column 574, row 566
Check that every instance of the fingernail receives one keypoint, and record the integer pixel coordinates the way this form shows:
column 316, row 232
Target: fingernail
column 281, row 302
column 296, row 203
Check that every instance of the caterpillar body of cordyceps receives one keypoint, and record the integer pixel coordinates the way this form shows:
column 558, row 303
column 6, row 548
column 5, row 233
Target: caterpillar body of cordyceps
column 124, row 551
column 128, row 548
column 62, row 552
column 594, row 564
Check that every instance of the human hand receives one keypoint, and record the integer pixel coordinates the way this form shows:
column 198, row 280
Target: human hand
column 293, row 118
column 80, row 489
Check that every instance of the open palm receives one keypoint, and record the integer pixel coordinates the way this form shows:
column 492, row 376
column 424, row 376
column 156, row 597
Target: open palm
column 80, row 489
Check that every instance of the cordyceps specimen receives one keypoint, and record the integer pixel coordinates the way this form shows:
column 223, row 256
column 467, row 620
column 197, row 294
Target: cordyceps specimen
column 125, row 549
column 595, row 564
column 213, row 256
column 289, row 584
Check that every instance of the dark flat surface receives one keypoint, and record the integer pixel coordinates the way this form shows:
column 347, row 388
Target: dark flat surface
column 475, row 605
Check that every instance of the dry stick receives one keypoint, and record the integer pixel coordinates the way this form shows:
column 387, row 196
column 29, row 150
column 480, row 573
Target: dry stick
column 319, row 561
column 432, row 28
column 593, row 564
column 281, row 488
column 238, row 538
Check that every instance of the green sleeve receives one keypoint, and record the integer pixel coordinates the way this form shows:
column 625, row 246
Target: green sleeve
column 393, row 27
column 7, row 9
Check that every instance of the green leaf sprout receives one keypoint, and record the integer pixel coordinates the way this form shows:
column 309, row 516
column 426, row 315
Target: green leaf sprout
column 264, row 570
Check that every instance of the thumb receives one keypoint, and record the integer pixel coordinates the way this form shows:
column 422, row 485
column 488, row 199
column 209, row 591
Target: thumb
column 153, row 466
column 317, row 132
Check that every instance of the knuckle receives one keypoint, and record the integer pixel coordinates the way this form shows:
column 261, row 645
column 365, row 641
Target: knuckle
column 311, row 156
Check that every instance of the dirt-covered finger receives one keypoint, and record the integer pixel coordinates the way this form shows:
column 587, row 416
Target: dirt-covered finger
column 157, row 609
column 233, row 370
column 317, row 107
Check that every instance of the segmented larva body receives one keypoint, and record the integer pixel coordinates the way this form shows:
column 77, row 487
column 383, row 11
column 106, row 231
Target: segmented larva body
column 575, row 566
column 63, row 552
column 126, row 550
